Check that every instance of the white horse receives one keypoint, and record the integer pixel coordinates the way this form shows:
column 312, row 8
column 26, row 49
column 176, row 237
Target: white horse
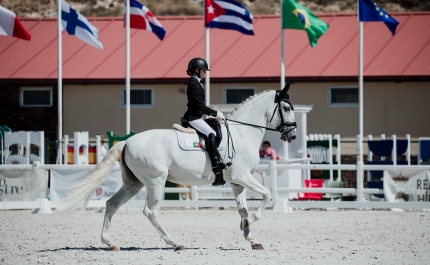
column 152, row 157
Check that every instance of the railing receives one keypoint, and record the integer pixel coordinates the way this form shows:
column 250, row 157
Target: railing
column 279, row 203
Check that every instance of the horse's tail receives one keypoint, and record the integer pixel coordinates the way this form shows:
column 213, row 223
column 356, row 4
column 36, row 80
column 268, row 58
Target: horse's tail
column 80, row 191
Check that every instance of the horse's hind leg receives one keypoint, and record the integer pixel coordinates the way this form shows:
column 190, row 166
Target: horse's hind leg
column 155, row 191
column 130, row 187
column 240, row 196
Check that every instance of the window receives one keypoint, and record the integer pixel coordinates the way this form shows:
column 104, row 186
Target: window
column 343, row 96
column 139, row 97
column 35, row 97
column 236, row 95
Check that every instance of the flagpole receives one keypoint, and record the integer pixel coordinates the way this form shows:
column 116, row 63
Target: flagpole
column 286, row 154
column 360, row 89
column 207, row 54
column 127, row 66
column 60, row 83
column 282, row 53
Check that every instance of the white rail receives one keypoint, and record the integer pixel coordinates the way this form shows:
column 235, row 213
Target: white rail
column 272, row 171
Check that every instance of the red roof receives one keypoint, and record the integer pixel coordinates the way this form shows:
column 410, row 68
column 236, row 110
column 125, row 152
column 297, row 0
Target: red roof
column 234, row 56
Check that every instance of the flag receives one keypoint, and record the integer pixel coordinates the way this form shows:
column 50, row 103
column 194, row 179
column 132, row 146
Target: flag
column 11, row 26
column 228, row 14
column 369, row 11
column 76, row 24
column 142, row 18
column 295, row 16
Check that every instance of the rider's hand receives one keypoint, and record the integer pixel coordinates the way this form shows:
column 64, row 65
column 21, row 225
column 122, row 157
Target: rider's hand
column 220, row 116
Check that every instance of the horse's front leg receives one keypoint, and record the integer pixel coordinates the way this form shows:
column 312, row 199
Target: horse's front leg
column 240, row 196
column 248, row 181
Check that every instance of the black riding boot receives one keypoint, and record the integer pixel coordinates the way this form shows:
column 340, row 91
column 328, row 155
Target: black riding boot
column 215, row 159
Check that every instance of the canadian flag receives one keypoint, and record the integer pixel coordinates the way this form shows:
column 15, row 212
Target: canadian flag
column 11, row 26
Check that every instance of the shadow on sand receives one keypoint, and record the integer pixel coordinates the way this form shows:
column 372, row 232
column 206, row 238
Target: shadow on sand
column 229, row 249
column 122, row 249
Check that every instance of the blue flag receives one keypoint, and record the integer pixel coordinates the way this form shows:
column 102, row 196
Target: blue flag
column 369, row 11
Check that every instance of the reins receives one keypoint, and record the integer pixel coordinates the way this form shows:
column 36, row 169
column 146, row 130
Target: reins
column 253, row 125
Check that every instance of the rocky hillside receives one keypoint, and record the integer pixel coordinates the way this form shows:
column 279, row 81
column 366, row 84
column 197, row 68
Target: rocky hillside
column 91, row 8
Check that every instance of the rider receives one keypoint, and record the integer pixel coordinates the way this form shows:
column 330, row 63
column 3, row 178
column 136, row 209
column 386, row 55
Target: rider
column 197, row 68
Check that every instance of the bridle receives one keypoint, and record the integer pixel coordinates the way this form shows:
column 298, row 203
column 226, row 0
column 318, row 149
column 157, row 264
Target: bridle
column 283, row 127
column 281, row 96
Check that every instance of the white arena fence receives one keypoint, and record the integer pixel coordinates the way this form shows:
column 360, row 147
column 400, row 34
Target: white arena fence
column 279, row 203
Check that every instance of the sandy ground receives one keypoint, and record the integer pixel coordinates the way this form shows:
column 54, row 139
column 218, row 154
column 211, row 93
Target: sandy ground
column 213, row 237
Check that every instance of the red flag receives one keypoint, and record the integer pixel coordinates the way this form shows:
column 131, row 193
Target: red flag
column 11, row 26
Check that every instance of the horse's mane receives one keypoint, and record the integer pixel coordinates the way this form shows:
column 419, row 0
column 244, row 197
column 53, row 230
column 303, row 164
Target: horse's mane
column 247, row 101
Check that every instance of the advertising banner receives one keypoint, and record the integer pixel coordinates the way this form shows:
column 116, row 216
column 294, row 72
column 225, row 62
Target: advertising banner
column 23, row 185
column 407, row 186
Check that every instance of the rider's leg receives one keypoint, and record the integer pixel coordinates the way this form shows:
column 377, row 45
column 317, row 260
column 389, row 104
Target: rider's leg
column 201, row 126
column 204, row 128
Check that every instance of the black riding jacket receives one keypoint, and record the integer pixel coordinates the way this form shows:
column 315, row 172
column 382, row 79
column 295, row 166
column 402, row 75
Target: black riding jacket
column 196, row 101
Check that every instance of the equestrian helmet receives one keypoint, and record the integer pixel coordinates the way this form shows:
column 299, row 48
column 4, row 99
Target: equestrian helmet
column 197, row 63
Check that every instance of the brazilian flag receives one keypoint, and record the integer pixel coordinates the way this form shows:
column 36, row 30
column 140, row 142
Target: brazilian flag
column 295, row 16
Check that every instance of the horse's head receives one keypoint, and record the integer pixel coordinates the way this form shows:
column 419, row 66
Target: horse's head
column 283, row 115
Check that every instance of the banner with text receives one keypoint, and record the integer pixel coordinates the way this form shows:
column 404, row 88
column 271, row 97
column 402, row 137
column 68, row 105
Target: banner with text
column 407, row 186
column 61, row 179
column 23, row 185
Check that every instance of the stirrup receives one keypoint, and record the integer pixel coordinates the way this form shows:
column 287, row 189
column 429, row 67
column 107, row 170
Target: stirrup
column 219, row 179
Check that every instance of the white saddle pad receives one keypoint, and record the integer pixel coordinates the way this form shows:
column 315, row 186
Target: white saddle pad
column 191, row 141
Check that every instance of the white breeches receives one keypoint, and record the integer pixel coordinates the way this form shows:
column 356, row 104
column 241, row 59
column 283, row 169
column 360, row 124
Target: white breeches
column 201, row 126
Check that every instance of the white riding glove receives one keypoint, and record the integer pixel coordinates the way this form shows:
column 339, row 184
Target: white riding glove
column 220, row 116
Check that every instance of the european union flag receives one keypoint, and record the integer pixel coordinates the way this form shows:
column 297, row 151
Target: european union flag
column 369, row 11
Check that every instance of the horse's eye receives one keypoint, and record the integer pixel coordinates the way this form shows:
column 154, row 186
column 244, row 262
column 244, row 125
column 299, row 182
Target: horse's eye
column 286, row 109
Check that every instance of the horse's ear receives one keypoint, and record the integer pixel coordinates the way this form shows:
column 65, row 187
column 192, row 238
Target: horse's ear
column 284, row 91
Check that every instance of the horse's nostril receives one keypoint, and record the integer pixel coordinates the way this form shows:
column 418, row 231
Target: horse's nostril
column 294, row 137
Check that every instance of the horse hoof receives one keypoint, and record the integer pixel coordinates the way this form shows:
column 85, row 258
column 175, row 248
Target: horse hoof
column 179, row 248
column 114, row 248
column 257, row 247
column 244, row 224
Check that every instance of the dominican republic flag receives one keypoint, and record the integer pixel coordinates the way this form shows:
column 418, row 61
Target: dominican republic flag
column 142, row 18
column 76, row 24
column 11, row 26
column 228, row 14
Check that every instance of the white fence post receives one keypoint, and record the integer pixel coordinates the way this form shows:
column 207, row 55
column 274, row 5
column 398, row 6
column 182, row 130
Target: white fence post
column 273, row 180
column 194, row 194
column 359, row 171
column 98, row 148
column 66, row 143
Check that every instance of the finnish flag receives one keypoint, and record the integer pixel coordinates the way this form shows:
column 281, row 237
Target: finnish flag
column 76, row 24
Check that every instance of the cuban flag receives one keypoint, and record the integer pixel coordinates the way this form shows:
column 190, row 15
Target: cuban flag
column 11, row 26
column 228, row 14
column 142, row 18
column 76, row 24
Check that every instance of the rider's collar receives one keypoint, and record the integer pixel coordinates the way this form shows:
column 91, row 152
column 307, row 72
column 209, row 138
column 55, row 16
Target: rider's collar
column 199, row 79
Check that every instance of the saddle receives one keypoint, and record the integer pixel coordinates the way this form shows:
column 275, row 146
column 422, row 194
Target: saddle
column 212, row 123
